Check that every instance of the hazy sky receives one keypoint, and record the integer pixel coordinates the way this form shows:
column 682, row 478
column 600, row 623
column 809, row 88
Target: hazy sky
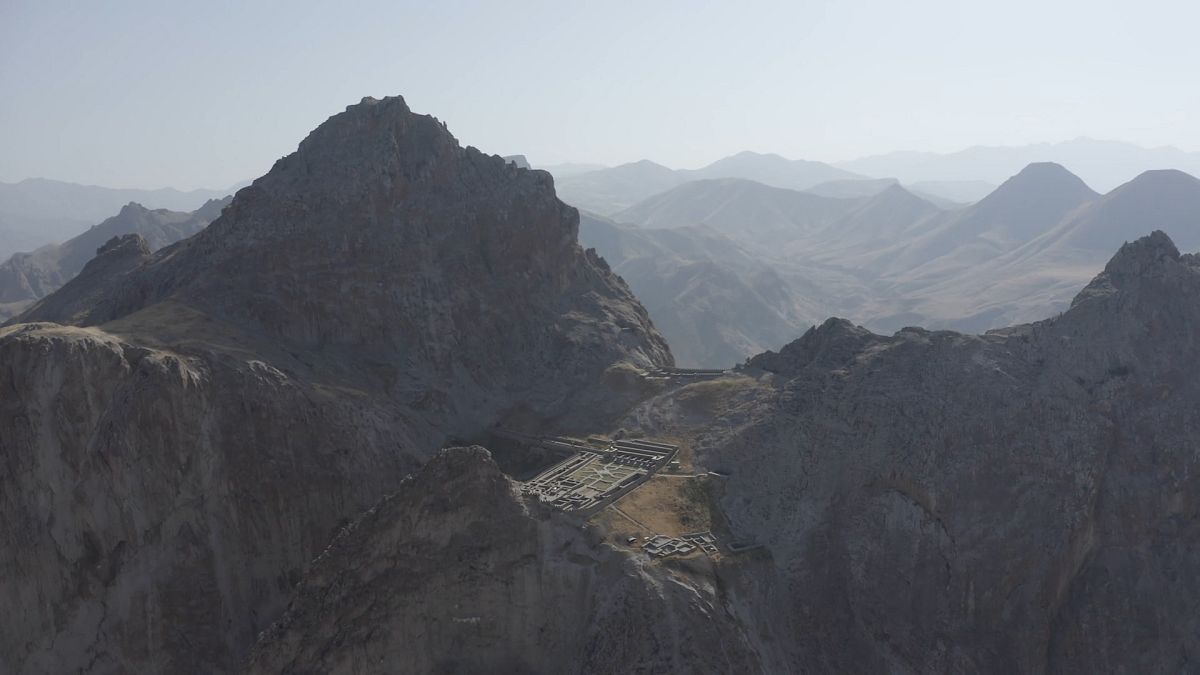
column 190, row 94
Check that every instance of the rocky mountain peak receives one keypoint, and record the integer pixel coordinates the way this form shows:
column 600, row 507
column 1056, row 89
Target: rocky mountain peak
column 834, row 343
column 464, row 472
column 386, row 139
column 375, row 156
column 124, row 245
column 380, row 229
column 1152, row 259
column 132, row 208
column 1143, row 255
column 87, row 293
column 381, row 234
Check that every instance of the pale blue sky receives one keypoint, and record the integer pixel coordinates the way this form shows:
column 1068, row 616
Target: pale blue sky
column 191, row 94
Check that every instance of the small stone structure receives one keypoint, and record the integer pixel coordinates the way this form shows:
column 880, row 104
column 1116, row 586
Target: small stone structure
column 662, row 546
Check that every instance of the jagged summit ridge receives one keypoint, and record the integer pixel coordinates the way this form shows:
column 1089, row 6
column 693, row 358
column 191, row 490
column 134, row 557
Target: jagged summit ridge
column 381, row 230
column 1151, row 261
column 1143, row 255
column 378, row 154
column 127, row 243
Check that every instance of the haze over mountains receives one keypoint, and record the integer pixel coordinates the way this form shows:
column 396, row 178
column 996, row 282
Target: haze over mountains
column 38, row 211
column 27, row 277
column 960, row 177
column 1102, row 164
column 644, row 338
column 893, row 258
column 876, row 251
column 608, row 190
column 711, row 299
column 227, row 455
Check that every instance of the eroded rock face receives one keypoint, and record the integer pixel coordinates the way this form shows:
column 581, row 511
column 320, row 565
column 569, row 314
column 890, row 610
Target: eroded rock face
column 199, row 421
column 159, row 506
column 1021, row 501
column 455, row 573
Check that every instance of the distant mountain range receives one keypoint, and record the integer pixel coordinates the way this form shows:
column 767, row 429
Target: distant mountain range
column 737, row 256
column 1102, row 164
column 39, row 211
column 737, row 207
column 609, row 190
column 711, row 299
column 28, row 277
column 888, row 259
column 961, row 177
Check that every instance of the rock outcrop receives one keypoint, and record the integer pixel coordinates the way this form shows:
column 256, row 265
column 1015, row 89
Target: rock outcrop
column 455, row 573
column 1019, row 501
column 196, row 423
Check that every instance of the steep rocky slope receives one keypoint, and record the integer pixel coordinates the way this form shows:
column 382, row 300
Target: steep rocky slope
column 199, row 421
column 27, row 277
column 455, row 573
column 1019, row 501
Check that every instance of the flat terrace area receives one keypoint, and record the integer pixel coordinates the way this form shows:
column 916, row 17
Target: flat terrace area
column 597, row 471
column 684, row 374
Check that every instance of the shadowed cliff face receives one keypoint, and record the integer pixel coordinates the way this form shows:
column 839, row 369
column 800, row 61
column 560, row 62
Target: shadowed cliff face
column 198, row 422
column 1020, row 501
